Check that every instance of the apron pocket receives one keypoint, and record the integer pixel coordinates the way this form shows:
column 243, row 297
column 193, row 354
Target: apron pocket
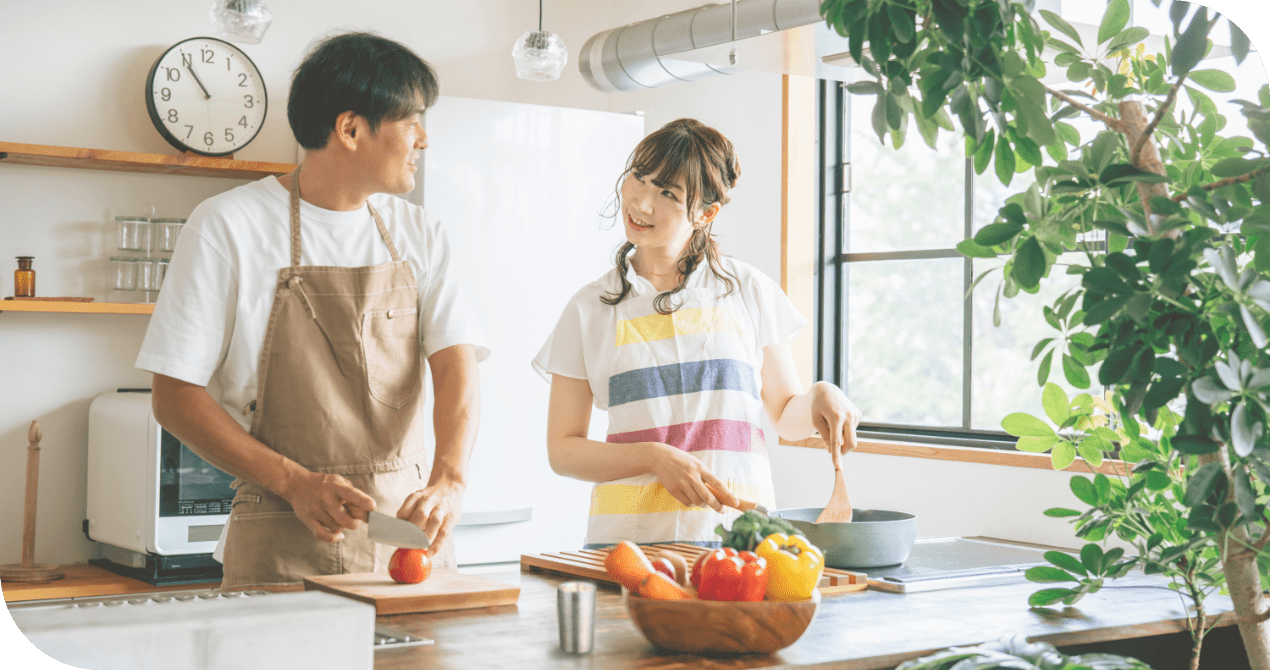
column 390, row 344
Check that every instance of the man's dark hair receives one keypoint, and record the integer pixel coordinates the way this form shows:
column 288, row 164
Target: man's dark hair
column 377, row 78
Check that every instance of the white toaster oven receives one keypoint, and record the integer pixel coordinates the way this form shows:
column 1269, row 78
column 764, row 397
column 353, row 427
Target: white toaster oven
column 147, row 492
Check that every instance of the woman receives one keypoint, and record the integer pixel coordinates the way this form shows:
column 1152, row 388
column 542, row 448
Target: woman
column 684, row 348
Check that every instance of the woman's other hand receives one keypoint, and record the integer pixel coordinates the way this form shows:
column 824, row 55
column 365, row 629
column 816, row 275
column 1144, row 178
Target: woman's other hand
column 835, row 416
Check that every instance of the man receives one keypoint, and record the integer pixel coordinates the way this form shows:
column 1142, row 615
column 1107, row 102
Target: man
column 287, row 344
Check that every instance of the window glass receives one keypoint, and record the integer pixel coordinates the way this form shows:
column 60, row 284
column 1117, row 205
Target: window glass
column 907, row 198
column 1004, row 377
column 904, row 338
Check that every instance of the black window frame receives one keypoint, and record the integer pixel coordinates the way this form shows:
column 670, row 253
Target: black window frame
column 831, row 300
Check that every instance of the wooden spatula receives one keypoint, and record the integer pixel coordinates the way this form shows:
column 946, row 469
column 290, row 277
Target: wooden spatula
column 839, row 508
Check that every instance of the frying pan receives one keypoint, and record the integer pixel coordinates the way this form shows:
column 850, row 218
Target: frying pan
column 872, row 539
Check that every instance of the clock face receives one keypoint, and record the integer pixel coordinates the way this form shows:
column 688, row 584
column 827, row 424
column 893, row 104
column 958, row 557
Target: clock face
column 206, row 96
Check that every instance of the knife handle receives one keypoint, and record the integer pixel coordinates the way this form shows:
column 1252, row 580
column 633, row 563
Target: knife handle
column 743, row 505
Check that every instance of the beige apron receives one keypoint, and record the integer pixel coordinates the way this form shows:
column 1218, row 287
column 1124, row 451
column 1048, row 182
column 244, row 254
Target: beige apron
column 340, row 385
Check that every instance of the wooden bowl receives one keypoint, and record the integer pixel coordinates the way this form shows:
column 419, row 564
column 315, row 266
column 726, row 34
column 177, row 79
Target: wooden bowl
column 720, row 626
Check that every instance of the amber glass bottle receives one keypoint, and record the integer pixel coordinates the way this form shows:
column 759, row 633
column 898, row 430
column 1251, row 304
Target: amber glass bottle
column 24, row 278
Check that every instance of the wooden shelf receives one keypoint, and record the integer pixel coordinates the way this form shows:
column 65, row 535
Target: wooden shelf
column 76, row 307
column 189, row 165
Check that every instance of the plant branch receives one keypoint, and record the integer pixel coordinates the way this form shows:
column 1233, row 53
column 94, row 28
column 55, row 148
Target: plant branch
column 1159, row 116
column 1261, row 541
column 1111, row 122
column 1227, row 182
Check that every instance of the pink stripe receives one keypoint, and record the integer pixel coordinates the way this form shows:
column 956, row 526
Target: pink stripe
column 713, row 435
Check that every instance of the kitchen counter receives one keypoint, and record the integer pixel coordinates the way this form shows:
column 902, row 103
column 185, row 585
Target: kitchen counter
column 869, row 630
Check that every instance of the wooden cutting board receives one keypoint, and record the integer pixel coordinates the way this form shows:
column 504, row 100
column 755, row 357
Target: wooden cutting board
column 442, row 590
column 589, row 564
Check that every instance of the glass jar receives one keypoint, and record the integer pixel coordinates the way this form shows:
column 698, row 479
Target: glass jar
column 166, row 232
column 24, row 278
column 163, row 272
column 148, row 274
column 134, row 233
column 125, row 273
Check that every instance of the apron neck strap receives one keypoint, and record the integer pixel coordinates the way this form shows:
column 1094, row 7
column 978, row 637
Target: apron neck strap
column 295, row 223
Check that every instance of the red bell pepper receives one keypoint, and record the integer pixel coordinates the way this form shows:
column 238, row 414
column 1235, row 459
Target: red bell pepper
column 727, row 574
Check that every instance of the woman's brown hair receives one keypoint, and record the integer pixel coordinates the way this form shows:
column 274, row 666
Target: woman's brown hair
column 703, row 158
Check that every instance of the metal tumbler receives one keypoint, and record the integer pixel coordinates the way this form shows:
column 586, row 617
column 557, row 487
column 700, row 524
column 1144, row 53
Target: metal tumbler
column 575, row 607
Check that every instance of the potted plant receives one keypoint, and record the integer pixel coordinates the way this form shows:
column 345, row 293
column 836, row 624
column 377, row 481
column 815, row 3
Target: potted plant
column 1163, row 216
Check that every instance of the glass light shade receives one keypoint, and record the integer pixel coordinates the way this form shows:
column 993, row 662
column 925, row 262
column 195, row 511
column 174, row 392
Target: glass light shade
column 241, row 20
column 539, row 56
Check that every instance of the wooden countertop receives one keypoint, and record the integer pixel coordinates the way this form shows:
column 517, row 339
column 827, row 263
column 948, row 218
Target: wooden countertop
column 869, row 630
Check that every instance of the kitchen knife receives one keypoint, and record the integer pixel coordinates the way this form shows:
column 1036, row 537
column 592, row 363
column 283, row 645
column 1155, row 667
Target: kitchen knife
column 743, row 505
column 390, row 530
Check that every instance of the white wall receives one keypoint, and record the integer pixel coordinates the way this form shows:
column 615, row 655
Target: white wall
column 83, row 88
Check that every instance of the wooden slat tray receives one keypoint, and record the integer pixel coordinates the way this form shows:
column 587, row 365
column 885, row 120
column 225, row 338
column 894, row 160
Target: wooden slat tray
column 589, row 564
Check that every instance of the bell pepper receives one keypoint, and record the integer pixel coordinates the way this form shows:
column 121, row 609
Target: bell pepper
column 727, row 574
column 794, row 566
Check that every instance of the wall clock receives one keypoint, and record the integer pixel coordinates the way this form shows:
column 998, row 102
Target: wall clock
column 205, row 96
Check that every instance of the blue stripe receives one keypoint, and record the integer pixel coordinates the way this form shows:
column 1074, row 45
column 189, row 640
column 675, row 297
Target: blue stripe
column 693, row 377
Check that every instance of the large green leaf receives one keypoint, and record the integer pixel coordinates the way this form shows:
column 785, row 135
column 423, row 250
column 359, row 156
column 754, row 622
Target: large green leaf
column 1236, row 166
column 1020, row 424
column 1113, row 20
column 1029, row 264
column 1046, row 597
column 1064, row 454
column 1191, row 44
column 1213, row 80
column 997, row 233
column 1203, row 483
column 1120, row 173
column 1065, row 561
column 1090, row 449
column 1062, row 25
column 1075, row 372
column 1055, row 402
column 1239, row 43
column 1036, row 445
column 1045, row 574
column 1127, row 38
column 972, row 249
column 1084, row 490
column 1004, row 161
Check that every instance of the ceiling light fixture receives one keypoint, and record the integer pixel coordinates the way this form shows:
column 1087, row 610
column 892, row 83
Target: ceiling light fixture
column 241, row 20
column 539, row 55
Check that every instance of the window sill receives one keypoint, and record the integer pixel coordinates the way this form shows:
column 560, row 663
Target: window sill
column 1013, row 459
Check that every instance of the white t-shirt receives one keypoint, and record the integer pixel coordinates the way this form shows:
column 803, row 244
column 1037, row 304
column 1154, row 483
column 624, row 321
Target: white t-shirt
column 209, row 324
column 582, row 344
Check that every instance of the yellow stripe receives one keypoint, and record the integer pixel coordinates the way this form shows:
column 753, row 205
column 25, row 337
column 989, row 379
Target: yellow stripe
column 650, row 498
column 687, row 321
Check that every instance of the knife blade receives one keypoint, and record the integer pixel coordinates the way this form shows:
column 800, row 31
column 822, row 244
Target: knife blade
column 390, row 530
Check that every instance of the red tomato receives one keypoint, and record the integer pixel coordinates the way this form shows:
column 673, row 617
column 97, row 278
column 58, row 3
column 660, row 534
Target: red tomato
column 409, row 566
column 664, row 566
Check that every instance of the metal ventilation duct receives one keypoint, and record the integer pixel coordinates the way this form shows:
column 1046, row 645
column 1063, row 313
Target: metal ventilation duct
column 640, row 55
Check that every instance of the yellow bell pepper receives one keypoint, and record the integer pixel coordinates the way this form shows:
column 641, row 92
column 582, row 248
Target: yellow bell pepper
column 793, row 566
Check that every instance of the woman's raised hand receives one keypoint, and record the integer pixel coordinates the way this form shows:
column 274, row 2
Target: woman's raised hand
column 835, row 416
column 687, row 478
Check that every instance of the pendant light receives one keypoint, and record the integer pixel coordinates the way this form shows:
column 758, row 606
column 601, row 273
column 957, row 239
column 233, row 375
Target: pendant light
column 539, row 55
column 241, row 20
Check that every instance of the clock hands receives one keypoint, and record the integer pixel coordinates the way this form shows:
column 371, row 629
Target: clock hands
column 190, row 67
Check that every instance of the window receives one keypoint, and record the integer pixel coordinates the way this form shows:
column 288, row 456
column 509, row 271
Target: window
column 894, row 328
